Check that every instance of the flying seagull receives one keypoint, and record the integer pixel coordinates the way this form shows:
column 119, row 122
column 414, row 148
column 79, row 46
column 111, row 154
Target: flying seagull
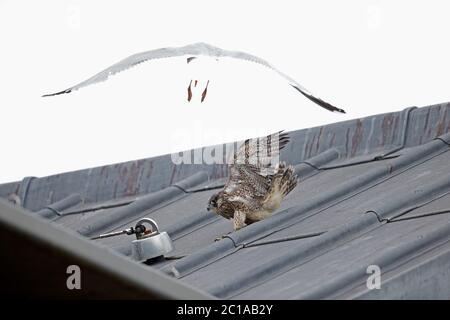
column 256, row 186
column 192, row 51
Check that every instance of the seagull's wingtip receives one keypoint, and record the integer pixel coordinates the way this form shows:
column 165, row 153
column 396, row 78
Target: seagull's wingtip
column 338, row 110
column 55, row 94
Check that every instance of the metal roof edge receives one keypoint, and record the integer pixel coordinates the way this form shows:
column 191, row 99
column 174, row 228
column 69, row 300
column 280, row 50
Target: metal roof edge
column 147, row 279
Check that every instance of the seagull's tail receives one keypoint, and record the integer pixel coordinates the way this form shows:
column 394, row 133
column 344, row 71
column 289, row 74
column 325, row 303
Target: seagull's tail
column 319, row 101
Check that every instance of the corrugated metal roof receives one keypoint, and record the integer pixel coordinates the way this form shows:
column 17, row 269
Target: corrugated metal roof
column 373, row 191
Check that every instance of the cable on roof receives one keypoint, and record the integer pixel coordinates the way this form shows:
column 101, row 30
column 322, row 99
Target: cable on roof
column 284, row 239
column 424, row 215
column 349, row 164
column 200, row 189
column 99, row 207
column 408, row 210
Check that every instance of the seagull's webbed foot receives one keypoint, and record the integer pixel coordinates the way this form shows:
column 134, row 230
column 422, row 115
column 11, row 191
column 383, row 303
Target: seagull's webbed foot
column 205, row 91
column 189, row 92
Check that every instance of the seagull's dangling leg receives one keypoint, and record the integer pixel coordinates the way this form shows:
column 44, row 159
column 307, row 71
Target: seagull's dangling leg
column 189, row 92
column 195, row 83
column 205, row 91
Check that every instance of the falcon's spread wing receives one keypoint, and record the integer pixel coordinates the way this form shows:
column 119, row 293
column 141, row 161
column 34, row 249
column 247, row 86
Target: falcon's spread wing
column 251, row 168
column 255, row 190
column 195, row 49
column 260, row 152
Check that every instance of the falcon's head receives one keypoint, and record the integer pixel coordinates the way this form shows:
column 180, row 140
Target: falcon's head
column 212, row 203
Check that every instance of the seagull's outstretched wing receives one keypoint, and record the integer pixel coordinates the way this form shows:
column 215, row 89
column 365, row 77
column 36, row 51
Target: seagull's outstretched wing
column 131, row 61
column 193, row 50
column 292, row 82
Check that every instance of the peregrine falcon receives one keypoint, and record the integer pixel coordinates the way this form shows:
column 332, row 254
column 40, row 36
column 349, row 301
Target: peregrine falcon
column 256, row 186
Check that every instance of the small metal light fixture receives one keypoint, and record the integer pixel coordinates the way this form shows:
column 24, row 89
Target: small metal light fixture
column 151, row 243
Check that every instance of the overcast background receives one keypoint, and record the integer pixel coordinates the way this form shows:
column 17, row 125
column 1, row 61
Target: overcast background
column 367, row 57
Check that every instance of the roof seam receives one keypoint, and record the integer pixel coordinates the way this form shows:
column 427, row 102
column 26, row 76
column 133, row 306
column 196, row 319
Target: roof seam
column 309, row 258
column 360, row 288
column 402, row 166
column 443, row 140
column 195, row 229
column 384, row 179
column 391, row 257
column 270, row 269
column 148, row 212
column 180, row 276
column 140, row 207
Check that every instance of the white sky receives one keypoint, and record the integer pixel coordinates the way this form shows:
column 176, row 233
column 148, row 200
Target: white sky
column 367, row 57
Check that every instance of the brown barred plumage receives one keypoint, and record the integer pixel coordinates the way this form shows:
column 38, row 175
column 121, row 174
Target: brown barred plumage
column 256, row 186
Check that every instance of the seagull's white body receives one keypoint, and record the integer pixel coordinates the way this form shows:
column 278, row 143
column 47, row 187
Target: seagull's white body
column 195, row 50
column 202, row 67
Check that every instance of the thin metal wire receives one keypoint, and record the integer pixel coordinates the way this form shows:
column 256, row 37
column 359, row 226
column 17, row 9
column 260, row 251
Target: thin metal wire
column 427, row 214
column 296, row 237
column 200, row 189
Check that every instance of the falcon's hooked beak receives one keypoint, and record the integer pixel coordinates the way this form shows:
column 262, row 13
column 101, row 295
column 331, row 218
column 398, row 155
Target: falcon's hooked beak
column 212, row 203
